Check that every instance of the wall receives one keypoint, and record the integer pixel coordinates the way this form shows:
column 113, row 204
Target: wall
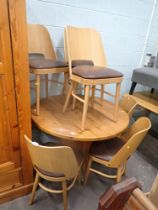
column 152, row 44
column 123, row 26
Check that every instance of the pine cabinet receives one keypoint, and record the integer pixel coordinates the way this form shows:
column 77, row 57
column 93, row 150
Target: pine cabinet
column 15, row 117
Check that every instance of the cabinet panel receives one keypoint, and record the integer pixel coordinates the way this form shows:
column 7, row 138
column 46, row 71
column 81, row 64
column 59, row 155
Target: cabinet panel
column 4, row 125
column 18, row 28
column 15, row 114
column 0, row 49
column 10, row 171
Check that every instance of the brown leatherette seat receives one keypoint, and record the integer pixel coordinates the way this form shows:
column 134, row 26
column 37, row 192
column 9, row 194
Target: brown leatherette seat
column 46, row 64
column 105, row 150
column 95, row 72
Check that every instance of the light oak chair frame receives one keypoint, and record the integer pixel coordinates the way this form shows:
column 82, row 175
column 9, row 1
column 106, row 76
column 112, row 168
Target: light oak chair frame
column 58, row 160
column 40, row 42
column 132, row 139
column 85, row 44
column 128, row 104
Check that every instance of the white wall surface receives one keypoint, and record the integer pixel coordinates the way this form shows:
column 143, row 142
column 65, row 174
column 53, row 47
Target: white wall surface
column 123, row 25
column 152, row 44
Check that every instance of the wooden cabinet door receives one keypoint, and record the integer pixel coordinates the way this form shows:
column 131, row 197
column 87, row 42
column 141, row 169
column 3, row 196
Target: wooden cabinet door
column 10, row 170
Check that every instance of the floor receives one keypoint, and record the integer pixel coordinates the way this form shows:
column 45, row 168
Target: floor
column 143, row 165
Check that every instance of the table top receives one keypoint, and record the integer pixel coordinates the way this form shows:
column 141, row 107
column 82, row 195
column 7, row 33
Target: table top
column 99, row 124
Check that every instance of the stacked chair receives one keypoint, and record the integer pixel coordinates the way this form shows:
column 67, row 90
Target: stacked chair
column 88, row 67
column 43, row 59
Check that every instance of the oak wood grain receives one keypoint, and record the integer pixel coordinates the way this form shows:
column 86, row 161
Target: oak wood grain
column 18, row 27
column 99, row 126
column 10, row 158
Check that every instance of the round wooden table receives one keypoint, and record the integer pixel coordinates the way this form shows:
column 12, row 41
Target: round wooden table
column 99, row 123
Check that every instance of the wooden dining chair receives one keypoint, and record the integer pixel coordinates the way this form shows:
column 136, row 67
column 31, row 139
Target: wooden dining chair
column 43, row 59
column 54, row 164
column 115, row 152
column 128, row 104
column 85, row 44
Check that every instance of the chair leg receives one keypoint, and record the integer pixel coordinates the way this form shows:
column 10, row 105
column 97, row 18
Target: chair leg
column 66, row 80
column 152, row 90
column 118, row 85
column 80, row 177
column 64, row 194
column 102, row 93
column 119, row 174
column 68, row 95
column 132, row 88
column 86, row 98
column 124, row 170
column 46, row 84
column 37, row 84
column 34, row 188
column 93, row 95
column 74, row 99
column 87, row 170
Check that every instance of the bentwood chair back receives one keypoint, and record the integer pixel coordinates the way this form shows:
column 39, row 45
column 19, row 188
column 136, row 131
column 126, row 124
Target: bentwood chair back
column 128, row 104
column 132, row 138
column 84, row 44
column 55, row 164
column 43, row 60
column 114, row 153
column 40, row 41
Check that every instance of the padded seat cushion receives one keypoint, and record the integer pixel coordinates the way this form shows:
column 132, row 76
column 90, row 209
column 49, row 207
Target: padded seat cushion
column 95, row 72
column 36, row 56
column 46, row 64
column 47, row 173
column 146, row 76
column 75, row 63
column 105, row 150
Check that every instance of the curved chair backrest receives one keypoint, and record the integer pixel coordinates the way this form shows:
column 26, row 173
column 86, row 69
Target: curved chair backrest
column 128, row 104
column 84, row 44
column 39, row 41
column 132, row 139
column 58, row 159
column 65, row 46
column 153, row 194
